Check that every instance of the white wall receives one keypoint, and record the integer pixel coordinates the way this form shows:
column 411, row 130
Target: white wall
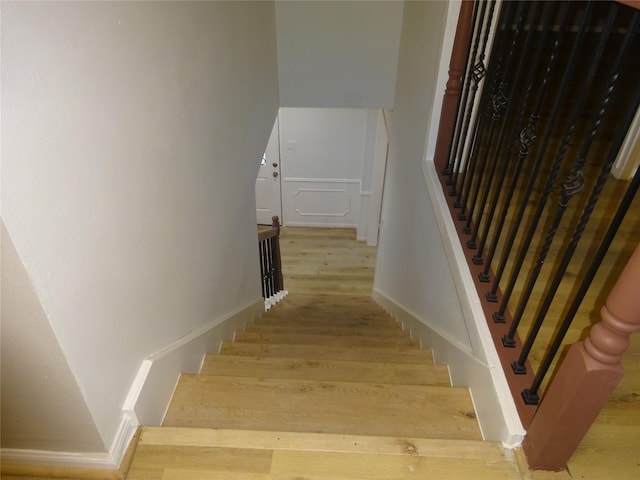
column 421, row 275
column 412, row 268
column 322, row 173
column 338, row 53
column 32, row 364
column 131, row 135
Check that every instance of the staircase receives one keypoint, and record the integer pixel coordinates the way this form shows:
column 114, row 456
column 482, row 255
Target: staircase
column 320, row 387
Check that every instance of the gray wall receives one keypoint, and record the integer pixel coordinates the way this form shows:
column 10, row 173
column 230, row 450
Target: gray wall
column 338, row 53
column 131, row 136
column 412, row 267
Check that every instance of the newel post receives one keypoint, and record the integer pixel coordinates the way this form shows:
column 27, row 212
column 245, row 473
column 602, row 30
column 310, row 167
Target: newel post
column 587, row 377
column 454, row 85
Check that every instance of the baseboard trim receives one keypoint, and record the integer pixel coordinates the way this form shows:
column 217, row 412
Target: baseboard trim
column 145, row 404
column 23, row 458
column 479, row 334
column 464, row 370
column 158, row 375
column 100, row 465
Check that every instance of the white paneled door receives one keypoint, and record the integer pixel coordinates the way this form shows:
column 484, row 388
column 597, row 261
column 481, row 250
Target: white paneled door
column 268, row 196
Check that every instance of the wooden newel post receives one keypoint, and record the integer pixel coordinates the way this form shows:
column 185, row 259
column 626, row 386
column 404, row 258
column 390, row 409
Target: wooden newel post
column 587, row 377
column 279, row 280
column 454, row 85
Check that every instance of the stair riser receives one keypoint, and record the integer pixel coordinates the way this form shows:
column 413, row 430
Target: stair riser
column 324, row 340
column 374, row 332
column 318, row 353
column 326, row 370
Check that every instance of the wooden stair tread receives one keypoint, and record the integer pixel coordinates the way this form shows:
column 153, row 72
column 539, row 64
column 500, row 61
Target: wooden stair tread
column 328, row 321
column 346, row 341
column 329, row 311
column 327, row 299
column 348, row 307
column 325, row 407
column 387, row 332
column 193, row 453
column 321, row 442
column 345, row 371
column 319, row 352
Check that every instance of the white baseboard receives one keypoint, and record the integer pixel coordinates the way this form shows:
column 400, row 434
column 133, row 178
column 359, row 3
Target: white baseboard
column 464, row 371
column 85, row 460
column 151, row 391
column 110, row 460
column 475, row 321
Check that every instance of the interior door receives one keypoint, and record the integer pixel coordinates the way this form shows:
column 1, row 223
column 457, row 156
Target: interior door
column 268, row 196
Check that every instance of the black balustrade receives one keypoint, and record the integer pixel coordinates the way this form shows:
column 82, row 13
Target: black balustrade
column 558, row 75
column 270, row 260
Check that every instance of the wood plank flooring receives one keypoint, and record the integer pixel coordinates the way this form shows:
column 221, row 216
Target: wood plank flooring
column 327, row 261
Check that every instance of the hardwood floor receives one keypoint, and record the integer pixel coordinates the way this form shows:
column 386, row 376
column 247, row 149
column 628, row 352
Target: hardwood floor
column 327, row 261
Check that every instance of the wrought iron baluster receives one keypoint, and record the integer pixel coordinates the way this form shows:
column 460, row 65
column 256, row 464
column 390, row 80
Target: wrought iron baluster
column 272, row 268
column 531, row 393
column 530, row 132
column 507, row 13
column 573, row 184
column 593, row 199
column 499, row 102
column 262, row 269
column 522, row 67
column 526, row 138
column 267, row 268
column 479, row 130
column 465, row 107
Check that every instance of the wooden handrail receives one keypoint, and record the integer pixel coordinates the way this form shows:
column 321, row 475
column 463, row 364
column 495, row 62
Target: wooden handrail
column 586, row 378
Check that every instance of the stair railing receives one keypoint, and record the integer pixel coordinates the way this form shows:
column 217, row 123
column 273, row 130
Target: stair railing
column 271, row 263
column 504, row 154
column 586, row 378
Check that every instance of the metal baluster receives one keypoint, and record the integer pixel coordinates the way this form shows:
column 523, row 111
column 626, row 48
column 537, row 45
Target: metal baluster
column 472, row 243
column 262, row 270
column 479, row 131
column 529, row 134
column 593, row 199
column 272, row 283
column 572, row 186
column 507, row 13
column 465, row 105
column 274, row 270
column 526, row 138
column 267, row 267
column 477, row 258
column 531, row 394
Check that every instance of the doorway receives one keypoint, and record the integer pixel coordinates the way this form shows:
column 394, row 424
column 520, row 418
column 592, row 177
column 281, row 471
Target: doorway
column 268, row 186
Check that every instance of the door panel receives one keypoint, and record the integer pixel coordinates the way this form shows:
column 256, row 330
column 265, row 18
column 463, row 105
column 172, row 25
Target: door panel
column 268, row 197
